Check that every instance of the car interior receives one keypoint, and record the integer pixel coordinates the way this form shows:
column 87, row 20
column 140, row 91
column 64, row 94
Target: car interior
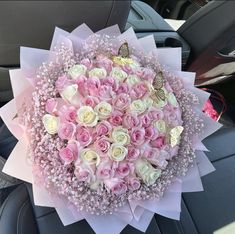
column 205, row 32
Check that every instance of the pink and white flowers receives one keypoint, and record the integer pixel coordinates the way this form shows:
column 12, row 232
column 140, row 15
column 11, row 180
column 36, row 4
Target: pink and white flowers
column 119, row 130
column 107, row 128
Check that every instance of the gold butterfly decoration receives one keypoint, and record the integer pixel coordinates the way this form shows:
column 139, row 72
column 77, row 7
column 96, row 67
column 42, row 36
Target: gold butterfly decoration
column 123, row 56
column 124, row 50
column 158, row 93
column 175, row 135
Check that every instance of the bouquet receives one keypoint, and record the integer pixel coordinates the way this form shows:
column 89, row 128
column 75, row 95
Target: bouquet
column 109, row 128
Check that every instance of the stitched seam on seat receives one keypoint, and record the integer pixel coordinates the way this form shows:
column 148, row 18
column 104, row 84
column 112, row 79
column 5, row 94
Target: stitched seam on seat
column 110, row 13
column 6, row 201
column 21, row 214
column 144, row 14
column 49, row 213
column 224, row 157
column 190, row 215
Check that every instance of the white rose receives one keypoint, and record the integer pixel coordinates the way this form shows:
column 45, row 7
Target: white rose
column 146, row 171
column 138, row 106
column 117, row 152
column 160, row 125
column 148, row 102
column 151, row 177
column 51, row 123
column 69, row 92
column 77, row 70
column 132, row 79
column 96, row 185
column 118, row 73
column 103, row 109
column 98, row 72
column 172, row 99
column 90, row 157
column 87, row 116
column 120, row 136
column 160, row 103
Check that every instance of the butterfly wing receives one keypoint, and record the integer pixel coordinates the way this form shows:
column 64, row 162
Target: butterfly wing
column 160, row 94
column 158, row 81
column 124, row 50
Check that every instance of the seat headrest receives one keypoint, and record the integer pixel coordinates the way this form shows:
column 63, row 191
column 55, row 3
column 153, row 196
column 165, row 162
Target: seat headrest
column 32, row 23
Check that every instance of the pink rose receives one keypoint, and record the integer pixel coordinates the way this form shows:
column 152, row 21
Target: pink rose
column 123, row 88
column 116, row 118
column 138, row 72
column 137, row 136
column 148, row 74
column 159, row 142
column 84, row 173
column 145, row 120
column 139, row 90
column 66, row 130
column 102, row 145
column 172, row 115
column 122, row 101
column 154, row 156
column 70, row 114
column 127, row 69
column 82, row 85
column 90, row 101
column 61, row 82
column 105, row 91
column 104, row 62
column 51, row 105
column 104, row 170
column 155, row 114
column 93, row 86
column 109, row 81
column 103, row 128
column 83, row 136
column 151, row 132
column 87, row 62
column 67, row 113
column 69, row 153
column 133, row 153
column 123, row 169
column 133, row 183
column 150, row 153
column 130, row 121
column 115, row 186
